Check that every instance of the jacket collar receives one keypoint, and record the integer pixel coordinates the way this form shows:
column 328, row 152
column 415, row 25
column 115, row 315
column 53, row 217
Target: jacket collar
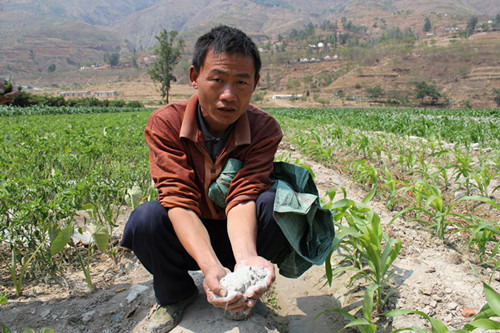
column 190, row 129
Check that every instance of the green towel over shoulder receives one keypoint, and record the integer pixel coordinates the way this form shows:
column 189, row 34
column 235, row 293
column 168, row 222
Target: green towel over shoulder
column 307, row 226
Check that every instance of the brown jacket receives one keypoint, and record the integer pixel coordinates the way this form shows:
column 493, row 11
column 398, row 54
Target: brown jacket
column 181, row 166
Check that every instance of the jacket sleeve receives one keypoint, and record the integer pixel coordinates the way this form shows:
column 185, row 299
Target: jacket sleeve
column 254, row 177
column 173, row 176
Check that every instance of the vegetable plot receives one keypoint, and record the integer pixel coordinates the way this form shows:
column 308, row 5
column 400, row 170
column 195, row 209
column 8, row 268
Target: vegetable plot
column 53, row 168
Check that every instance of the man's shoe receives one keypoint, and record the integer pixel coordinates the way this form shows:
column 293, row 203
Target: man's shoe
column 166, row 317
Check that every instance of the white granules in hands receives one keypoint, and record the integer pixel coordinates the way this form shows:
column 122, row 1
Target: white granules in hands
column 244, row 280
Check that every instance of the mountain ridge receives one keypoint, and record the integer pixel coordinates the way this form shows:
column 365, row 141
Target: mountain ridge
column 37, row 35
column 139, row 21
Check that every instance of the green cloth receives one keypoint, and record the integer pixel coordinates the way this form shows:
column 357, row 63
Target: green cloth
column 307, row 226
column 217, row 191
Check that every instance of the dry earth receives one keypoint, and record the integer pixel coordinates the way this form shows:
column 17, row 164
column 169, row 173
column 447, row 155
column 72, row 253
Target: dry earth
column 430, row 276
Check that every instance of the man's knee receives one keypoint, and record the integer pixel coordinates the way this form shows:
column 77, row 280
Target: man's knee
column 144, row 221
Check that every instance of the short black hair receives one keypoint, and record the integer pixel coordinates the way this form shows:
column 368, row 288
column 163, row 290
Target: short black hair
column 224, row 39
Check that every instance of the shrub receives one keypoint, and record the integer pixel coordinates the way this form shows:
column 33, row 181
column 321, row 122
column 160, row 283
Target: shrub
column 26, row 99
column 427, row 93
column 376, row 92
column 496, row 92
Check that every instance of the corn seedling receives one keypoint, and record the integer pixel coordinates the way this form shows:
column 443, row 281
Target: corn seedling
column 463, row 168
column 365, row 323
column 363, row 238
column 482, row 234
column 365, row 173
column 430, row 202
column 390, row 184
column 483, row 180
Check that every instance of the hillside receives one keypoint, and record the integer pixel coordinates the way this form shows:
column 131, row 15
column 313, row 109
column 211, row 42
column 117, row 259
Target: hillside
column 37, row 34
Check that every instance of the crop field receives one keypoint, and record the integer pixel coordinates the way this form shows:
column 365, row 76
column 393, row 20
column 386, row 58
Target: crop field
column 437, row 167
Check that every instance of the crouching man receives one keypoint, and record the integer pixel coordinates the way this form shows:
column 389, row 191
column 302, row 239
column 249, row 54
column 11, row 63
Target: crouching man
column 190, row 144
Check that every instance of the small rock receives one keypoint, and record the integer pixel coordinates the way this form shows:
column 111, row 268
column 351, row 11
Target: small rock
column 116, row 318
column 468, row 312
column 87, row 316
column 426, row 291
column 433, row 304
column 452, row 306
column 135, row 291
column 455, row 258
column 428, row 310
column 44, row 313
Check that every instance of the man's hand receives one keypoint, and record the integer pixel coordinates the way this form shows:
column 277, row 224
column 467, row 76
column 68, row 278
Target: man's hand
column 242, row 231
column 194, row 237
column 216, row 293
column 252, row 296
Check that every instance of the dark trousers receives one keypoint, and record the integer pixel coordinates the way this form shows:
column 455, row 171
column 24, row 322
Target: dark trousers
column 150, row 234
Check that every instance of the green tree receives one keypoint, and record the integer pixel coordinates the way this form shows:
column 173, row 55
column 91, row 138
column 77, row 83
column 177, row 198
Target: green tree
column 376, row 92
column 496, row 92
column 168, row 56
column 427, row 92
column 112, row 59
column 496, row 23
column 471, row 25
column 427, row 25
column 51, row 68
column 134, row 59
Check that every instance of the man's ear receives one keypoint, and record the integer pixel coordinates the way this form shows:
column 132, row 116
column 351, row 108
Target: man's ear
column 193, row 76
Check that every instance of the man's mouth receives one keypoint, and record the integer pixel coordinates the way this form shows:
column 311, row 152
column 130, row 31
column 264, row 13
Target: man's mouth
column 227, row 109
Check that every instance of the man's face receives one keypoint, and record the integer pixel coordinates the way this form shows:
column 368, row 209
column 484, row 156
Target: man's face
column 225, row 85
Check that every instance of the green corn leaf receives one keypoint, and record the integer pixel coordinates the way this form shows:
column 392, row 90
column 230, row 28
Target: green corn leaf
column 47, row 330
column 3, row 298
column 363, row 325
column 482, row 199
column 487, row 324
column 343, row 203
column 344, row 232
column 370, row 195
column 328, row 268
column 5, row 329
column 368, row 302
column 412, row 329
column 437, row 326
column 493, row 298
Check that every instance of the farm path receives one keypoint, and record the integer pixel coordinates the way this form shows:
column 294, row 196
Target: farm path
column 430, row 276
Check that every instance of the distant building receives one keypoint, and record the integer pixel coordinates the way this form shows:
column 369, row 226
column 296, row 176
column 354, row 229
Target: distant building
column 287, row 96
column 105, row 94
column 74, row 93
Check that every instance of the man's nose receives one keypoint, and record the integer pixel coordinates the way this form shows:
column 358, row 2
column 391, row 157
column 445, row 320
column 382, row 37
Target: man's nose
column 228, row 92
